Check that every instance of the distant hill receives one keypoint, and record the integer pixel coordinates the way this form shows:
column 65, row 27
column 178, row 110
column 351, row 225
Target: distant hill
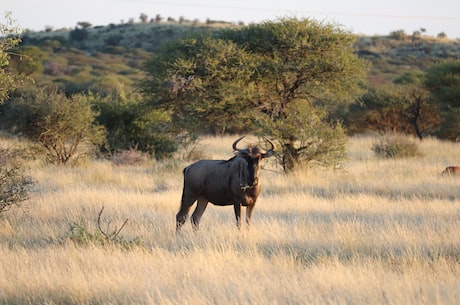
column 147, row 36
column 84, row 55
column 395, row 54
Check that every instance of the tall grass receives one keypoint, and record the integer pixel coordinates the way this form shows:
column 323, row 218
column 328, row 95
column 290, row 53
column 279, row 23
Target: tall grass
column 376, row 232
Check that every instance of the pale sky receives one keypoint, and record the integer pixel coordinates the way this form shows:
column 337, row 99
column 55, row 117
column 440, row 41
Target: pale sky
column 358, row 16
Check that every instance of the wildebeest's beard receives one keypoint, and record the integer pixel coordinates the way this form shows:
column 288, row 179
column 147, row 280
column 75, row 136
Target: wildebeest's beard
column 252, row 167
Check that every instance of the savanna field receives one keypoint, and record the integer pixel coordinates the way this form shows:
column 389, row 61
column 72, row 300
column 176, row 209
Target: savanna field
column 378, row 231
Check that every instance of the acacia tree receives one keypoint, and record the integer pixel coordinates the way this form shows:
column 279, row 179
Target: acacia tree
column 266, row 76
column 418, row 112
column 394, row 109
column 204, row 83
column 303, row 64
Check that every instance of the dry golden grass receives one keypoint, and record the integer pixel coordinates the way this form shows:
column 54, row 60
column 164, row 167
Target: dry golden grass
column 378, row 232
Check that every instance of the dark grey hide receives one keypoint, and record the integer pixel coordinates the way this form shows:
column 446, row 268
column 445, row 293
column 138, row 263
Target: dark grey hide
column 223, row 182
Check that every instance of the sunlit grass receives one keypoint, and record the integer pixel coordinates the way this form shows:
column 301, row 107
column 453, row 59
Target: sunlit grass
column 376, row 232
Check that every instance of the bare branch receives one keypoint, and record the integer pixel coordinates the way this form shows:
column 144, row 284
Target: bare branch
column 111, row 236
column 99, row 223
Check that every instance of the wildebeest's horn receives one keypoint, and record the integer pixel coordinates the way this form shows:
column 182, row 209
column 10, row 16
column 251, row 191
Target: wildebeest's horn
column 236, row 143
column 271, row 143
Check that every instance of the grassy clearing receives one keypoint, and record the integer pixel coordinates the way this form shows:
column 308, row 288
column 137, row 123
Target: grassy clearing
column 378, row 232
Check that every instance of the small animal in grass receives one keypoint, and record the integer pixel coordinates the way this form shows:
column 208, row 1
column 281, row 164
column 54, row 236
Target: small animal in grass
column 451, row 171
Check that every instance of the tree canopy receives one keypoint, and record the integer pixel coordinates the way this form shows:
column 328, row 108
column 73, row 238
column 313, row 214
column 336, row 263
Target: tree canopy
column 259, row 78
column 394, row 108
column 443, row 82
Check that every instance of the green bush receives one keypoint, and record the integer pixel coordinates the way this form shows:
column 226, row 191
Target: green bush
column 130, row 125
column 396, row 146
column 81, row 235
column 14, row 183
column 64, row 126
column 78, row 35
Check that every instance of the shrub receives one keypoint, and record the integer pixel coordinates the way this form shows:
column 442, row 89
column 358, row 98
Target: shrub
column 64, row 126
column 113, row 40
column 81, row 235
column 398, row 35
column 78, row 35
column 14, row 184
column 395, row 146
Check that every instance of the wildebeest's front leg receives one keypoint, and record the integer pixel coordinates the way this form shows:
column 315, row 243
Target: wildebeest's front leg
column 249, row 209
column 200, row 208
column 237, row 208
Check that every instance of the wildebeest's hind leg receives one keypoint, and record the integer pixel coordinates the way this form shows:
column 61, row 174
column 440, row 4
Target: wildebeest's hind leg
column 200, row 208
column 237, row 208
column 185, row 206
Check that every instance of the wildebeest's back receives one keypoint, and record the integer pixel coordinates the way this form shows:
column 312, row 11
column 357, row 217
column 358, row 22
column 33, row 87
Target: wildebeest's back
column 218, row 181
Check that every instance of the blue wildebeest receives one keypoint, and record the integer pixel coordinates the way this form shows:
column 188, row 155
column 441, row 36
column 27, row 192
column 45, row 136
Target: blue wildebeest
column 223, row 182
column 451, row 170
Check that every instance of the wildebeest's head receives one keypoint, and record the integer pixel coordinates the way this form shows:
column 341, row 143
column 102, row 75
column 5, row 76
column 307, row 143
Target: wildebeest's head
column 253, row 154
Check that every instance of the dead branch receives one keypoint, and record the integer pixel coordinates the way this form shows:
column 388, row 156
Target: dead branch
column 112, row 236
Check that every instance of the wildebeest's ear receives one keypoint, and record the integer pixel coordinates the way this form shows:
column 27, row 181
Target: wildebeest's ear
column 268, row 154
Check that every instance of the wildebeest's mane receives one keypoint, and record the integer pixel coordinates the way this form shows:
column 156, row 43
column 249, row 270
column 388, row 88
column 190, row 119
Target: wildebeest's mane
column 239, row 166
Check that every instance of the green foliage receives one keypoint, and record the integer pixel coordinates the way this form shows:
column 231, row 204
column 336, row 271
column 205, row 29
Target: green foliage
column 416, row 77
column 83, row 236
column 79, row 35
column 109, row 59
column 130, row 126
column 14, row 183
column 63, row 125
column 306, row 138
column 204, row 83
column 304, row 62
column 301, row 64
column 84, row 24
column 8, row 41
column 113, row 40
column 395, row 108
column 119, row 117
column 303, row 59
column 256, row 78
column 442, row 35
column 396, row 146
column 450, row 127
column 443, row 82
column 398, row 35
column 27, row 60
